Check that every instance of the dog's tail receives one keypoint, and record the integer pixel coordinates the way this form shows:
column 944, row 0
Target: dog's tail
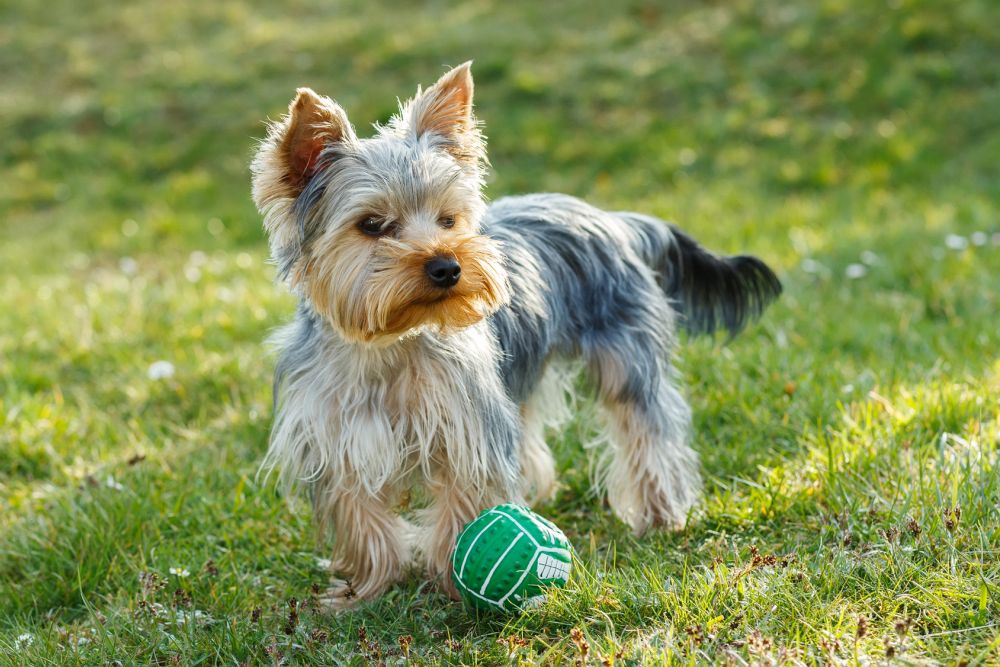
column 710, row 291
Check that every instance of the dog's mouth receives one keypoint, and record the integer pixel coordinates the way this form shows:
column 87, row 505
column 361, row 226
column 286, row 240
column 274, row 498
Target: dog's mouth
column 443, row 295
column 401, row 296
column 448, row 308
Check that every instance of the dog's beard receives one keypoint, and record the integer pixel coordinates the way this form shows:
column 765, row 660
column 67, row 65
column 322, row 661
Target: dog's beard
column 391, row 294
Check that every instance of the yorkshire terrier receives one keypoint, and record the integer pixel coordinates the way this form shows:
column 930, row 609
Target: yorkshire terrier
column 430, row 324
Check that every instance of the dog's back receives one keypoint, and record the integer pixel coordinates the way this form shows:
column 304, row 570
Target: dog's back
column 583, row 279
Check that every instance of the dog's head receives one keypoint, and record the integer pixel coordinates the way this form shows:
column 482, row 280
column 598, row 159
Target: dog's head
column 382, row 235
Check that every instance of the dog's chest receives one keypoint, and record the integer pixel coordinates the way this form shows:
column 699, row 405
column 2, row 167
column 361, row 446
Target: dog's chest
column 425, row 391
column 375, row 415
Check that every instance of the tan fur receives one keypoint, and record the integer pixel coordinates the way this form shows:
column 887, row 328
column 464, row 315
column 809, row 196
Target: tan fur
column 288, row 155
column 446, row 109
column 537, row 464
column 548, row 408
column 313, row 122
column 609, row 370
column 363, row 423
column 650, row 472
column 653, row 478
column 388, row 380
column 370, row 550
column 387, row 290
column 455, row 501
column 361, row 418
column 396, row 296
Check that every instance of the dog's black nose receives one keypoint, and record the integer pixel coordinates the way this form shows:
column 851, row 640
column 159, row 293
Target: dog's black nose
column 443, row 271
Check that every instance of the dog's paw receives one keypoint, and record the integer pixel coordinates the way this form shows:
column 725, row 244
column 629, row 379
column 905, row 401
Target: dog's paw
column 448, row 587
column 339, row 597
column 652, row 505
column 655, row 519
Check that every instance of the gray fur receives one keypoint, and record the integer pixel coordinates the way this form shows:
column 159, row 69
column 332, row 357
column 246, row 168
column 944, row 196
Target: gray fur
column 362, row 405
column 598, row 296
column 582, row 285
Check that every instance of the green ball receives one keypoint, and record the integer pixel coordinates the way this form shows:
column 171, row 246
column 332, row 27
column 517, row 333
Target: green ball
column 507, row 556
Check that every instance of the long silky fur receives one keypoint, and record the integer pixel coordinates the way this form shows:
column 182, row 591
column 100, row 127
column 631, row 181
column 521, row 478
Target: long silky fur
column 710, row 291
column 380, row 384
column 352, row 418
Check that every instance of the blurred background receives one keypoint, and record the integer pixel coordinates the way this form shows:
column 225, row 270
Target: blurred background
column 147, row 112
column 853, row 144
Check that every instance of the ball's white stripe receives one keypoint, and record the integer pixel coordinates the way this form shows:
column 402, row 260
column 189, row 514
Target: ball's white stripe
column 468, row 551
column 531, row 564
column 500, row 560
column 546, row 528
column 517, row 584
column 548, row 568
column 519, row 525
column 475, row 594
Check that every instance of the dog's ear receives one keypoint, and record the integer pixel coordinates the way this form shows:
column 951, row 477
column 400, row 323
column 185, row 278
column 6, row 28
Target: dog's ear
column 290, row 154
column 313, row 122
column 445, row 109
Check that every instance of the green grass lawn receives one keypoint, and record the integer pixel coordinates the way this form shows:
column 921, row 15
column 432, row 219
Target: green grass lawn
column 849, row 440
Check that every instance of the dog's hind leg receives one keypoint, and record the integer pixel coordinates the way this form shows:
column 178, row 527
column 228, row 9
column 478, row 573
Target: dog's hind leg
column 538, row 472
column 547, row 407
column 653, row 477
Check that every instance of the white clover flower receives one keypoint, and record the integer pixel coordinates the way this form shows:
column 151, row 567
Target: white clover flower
column 855, row 271
column 196, row 616
column 956, row 242
column 811, row 266
column 23, row 641
column 869, row 258
column 979, row 238
column 128, row 266
column 160, row 370
column 180, row 572
column 112, row 483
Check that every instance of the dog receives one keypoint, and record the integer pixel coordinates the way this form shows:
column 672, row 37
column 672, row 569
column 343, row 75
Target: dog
column 430, row 326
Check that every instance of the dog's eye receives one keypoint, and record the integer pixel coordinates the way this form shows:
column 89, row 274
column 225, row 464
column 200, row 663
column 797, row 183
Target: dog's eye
column 373, row 226
column 447, row 221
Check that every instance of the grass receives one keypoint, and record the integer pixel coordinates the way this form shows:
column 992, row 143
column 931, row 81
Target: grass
column 849, row 440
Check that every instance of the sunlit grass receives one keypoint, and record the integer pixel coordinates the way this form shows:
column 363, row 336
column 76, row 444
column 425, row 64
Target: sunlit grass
column 849, row 440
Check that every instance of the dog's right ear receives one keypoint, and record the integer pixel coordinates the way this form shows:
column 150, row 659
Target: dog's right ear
column 288, row 157
column 292, row 153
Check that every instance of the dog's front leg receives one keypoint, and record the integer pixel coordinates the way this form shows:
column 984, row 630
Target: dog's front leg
column 370, row 546
column 455, row 503
column 459, row 494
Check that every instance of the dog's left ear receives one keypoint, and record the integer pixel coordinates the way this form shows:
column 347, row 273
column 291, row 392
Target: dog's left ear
column 445, row 109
